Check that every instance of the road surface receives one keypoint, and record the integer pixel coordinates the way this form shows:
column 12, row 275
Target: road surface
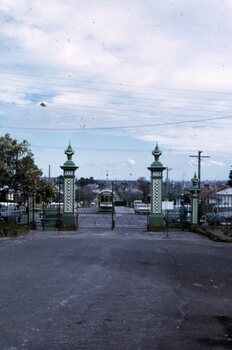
column 115, row 290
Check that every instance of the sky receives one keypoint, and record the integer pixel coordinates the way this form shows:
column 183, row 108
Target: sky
column 113, row 77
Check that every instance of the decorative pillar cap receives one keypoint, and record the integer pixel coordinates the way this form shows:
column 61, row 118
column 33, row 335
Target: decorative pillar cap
column 195, row 180
column 69, row 163
column 69, row 152
column 156, row 165
column 156, row 152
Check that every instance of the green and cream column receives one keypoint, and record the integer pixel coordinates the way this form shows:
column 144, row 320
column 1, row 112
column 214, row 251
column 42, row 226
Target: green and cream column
column 69, row 217
column 195, row 199
column 156, row 217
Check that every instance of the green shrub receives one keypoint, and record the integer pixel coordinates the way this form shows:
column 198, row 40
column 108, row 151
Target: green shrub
column 12, row 230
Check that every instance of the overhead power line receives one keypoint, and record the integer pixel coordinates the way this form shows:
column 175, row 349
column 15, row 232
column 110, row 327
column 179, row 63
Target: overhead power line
column 88, row 81
column 108, row 110
column 98, row 91
column 114, row 127
column 97, row 149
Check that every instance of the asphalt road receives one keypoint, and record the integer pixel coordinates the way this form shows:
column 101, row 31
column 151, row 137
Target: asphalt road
column 115, row 290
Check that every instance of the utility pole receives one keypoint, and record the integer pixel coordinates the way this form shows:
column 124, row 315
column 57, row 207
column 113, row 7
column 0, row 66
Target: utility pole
column 168, row 169
column 166, row 182
column 199, row 157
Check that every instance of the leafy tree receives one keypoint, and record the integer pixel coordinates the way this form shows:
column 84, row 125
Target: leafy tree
column 85, row 181
column 143, row 186
column 230, row 179
column 47, row 191
column 17, row 168
column 85, row 194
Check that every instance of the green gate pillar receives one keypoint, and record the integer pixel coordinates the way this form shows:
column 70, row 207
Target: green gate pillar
column 69, row 218
column 156, row 218
column 195, row 199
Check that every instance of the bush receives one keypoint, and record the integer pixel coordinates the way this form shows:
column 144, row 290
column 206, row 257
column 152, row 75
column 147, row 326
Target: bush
column 12, row 230
column 227, row 231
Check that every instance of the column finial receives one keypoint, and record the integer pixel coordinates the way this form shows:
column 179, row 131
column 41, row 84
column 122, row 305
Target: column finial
column 69, row 152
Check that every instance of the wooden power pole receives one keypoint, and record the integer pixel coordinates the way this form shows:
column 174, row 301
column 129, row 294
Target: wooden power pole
column 199, row 157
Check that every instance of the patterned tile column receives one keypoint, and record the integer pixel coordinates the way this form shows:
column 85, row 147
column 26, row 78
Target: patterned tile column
column 69, row 218
column 156, row 218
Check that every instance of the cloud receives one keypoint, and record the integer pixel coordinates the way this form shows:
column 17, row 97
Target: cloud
column 213, row 163
column 131, row 161
column 186, row 139
column 116, row 64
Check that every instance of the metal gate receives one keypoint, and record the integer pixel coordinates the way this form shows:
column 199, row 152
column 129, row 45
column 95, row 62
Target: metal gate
column 126, row 218
column 111, row 208
column 176, row 221
column 127, row 215
column 91, row 218
column 120, row 217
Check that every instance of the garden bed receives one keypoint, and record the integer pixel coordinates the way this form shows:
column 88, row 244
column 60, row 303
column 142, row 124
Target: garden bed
column 215, row 233
column 12, row 230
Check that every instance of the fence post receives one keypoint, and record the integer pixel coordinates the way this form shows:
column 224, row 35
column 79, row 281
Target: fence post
column 195, row 199
column 69, row 218
column 156, row 218
column 113, row 208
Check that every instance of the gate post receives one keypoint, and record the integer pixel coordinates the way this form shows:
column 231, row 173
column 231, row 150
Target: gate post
column 69, row 218
column 194, row 199
column 113, row 208
column 156, row 218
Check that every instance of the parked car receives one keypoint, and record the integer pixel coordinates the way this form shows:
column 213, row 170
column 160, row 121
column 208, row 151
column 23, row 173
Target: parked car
column 142, row 208
column 52, row 209
column 218, row 218
column 136, row 202
column 172, row 216
column 176, row 215
column 10, row 212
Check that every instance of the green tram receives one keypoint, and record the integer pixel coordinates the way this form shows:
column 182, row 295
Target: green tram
column 105, row 200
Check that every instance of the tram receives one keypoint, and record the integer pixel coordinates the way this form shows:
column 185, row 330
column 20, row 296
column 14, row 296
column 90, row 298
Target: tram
column 105, row 200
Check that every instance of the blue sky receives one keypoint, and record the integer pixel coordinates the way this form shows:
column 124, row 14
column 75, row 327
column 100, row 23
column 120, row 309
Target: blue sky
column 116, row 77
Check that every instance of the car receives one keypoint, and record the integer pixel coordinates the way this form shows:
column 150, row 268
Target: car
column 172, row 216
column 10, row 212
column 142, row 208
column 52, row 209
column 221, row 218
column 136, row 202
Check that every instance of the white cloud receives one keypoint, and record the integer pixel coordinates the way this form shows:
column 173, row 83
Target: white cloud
column 131, row 162
column 214, row 163
column 130, row 64
column 185, row 140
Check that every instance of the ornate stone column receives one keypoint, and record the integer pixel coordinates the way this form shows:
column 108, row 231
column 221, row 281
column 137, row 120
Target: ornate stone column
column 156, row 218
column 194, row 199
column 69, row 217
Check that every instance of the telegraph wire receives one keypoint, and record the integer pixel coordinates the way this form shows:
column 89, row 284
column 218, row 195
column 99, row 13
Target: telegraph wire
column 129, row 101
column 126, row 95
column 78, row 80
column 115, row 127
column 113, row 111
column 99, row 149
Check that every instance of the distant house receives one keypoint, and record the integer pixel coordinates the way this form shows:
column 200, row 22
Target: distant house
column 216, row 198
column 224, row 198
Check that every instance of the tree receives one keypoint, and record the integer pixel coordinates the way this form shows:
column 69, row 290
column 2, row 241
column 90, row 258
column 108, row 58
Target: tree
column 143, row 186
column 18, row 171
column 230, row 179
column 47, row 192
column 85, row 194
column 85, row 181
